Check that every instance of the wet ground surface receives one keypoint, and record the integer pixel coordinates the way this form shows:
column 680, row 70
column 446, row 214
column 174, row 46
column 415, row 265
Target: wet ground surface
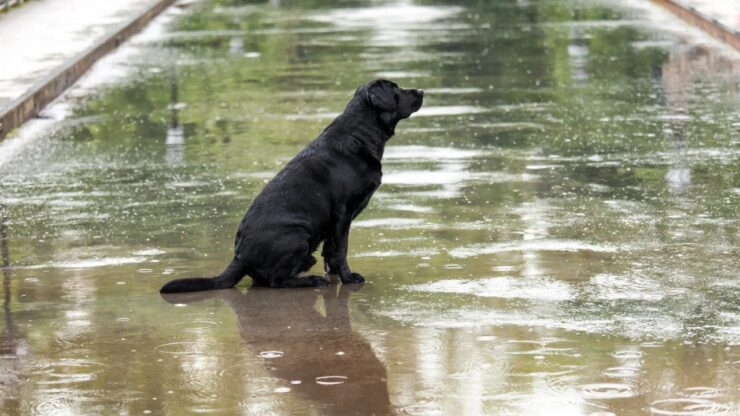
column 557, row 229
column 38, row 38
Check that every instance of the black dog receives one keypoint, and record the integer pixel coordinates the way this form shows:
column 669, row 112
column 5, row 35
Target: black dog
column 315, row 197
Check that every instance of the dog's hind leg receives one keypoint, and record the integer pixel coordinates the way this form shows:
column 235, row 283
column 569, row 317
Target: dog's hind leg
column 299, row 281
column 285, row 274
column 308, row 262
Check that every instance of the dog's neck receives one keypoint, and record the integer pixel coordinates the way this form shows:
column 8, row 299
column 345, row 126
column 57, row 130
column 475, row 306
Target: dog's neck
column 368, row 137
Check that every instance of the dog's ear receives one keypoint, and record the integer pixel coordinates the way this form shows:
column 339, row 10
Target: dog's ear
column 382, row 95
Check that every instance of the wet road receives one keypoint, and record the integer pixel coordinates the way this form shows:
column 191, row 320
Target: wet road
column 557, row 228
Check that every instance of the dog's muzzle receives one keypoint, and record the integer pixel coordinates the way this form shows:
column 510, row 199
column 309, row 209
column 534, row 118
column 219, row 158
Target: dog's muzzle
column 418, row 98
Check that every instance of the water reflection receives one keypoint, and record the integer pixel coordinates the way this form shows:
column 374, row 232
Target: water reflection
column 679, row 75
column 305, row 340
column 11, row 356
column 396, row 24
column 175, row 142
column 9, row 334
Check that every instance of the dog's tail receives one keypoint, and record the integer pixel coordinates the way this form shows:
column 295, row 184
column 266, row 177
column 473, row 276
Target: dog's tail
column 229, row 278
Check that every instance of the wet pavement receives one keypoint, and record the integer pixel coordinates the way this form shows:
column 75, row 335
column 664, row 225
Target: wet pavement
column 557, row 230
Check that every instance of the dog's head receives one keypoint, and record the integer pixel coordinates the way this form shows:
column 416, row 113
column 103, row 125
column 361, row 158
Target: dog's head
column 391, row 102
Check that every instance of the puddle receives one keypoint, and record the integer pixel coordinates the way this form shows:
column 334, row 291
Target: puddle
column 532, row 246
column 89, row 263
column 503, row 287
column 556, row 228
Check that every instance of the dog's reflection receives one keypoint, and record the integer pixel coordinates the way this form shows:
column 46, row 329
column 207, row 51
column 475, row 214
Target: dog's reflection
column 319, row 356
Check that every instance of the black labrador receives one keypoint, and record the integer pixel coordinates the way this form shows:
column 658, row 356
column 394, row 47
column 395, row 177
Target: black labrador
column 315, row 197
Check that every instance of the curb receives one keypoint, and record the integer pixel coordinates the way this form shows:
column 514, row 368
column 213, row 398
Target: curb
column 50, row 87
column 703, row 22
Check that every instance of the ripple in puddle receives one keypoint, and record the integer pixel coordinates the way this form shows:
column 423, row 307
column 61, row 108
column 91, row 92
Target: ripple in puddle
column 702, row 392
column 628, row 354
column 621, row 372
column 422, row 409
column 188, row 347
column 485, row 338
column 331, row 380
column 607, row 391
column 53, row 406
column 689, row 407
column 198, row 325
column 67, row 371
column 554, row 377
column 561, row 382
column 271, row 354
column 543, row 347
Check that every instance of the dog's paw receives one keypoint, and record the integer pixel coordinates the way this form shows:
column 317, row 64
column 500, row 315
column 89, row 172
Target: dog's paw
column 354, row 278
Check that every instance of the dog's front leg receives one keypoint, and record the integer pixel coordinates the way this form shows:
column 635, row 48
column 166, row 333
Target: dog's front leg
column 334, row 253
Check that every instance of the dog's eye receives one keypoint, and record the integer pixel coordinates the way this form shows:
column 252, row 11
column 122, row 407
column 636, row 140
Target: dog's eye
column 396, row 96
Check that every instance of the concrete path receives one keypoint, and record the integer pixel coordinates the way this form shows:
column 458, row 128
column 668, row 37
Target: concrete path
column 41, row 35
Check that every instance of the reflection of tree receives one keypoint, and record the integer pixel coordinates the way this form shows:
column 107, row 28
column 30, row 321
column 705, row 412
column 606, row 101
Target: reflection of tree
column 313, row 345
column 10, row 366
column 8, row 338
column 175, row 152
